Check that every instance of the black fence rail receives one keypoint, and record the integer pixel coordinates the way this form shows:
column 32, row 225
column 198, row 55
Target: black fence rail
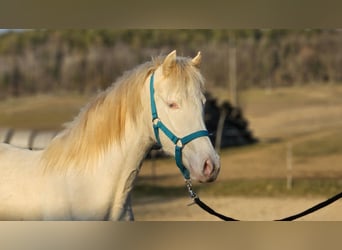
column 26, row 138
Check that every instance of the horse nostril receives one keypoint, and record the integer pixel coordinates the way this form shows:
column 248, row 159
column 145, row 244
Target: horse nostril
column 208, row 168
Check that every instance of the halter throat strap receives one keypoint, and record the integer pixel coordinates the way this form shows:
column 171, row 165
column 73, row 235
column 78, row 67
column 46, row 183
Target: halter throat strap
column 179, row 142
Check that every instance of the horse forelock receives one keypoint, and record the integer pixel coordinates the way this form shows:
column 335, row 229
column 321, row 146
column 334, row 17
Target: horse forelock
column 186, row 79
column 103, row 121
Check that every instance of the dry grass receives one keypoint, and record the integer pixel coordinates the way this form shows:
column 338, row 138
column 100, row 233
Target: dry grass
column 288, row 112
column 40, row 111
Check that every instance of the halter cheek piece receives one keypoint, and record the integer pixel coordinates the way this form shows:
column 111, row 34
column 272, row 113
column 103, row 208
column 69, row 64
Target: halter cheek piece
column 179, row 142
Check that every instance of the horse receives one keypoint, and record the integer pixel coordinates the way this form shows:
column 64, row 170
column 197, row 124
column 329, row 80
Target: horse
column 87, row 171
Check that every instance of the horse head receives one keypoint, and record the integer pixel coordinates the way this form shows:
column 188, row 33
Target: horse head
column 177, row 103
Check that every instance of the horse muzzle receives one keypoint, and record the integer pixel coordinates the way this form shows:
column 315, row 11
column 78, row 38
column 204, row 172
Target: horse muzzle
column 206, row 170
column 210, row 171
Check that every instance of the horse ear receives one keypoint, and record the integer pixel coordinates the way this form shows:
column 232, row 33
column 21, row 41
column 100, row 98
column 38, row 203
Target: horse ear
column 169, row 62
column 196, row 61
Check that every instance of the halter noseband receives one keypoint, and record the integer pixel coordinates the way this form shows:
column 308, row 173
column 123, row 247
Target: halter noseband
column 179, row 142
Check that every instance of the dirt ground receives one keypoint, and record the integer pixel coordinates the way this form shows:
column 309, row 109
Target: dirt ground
column 249, row 209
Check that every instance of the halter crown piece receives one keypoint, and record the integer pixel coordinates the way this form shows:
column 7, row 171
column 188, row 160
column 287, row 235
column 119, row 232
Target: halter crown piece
column 179, row 142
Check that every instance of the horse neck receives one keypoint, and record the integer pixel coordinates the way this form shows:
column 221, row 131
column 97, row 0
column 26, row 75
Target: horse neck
column 137, row 137
column 133, row 147
column 92, row 143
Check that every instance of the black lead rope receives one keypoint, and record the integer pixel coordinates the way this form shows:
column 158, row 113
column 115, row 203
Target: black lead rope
column 314, row 208
column 212, row 211
column 289, row 218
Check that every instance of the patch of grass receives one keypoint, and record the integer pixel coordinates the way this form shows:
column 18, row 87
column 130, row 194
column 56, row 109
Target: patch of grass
column 327, row 144
column 261, row 101
column 249, row 188
column 40, row 112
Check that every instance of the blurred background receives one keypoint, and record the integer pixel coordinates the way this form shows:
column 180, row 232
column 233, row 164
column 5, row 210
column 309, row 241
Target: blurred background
column 274, row 110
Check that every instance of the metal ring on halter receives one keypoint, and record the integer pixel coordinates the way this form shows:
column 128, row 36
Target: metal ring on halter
column 179, row 143
column 155, row 121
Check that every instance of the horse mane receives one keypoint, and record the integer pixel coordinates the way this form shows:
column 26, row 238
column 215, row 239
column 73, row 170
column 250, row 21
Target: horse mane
column 102, row 121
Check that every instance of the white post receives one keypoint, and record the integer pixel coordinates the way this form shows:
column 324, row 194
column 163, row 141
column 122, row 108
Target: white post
column 219, row 131
column 289, row 166
column 232, row 71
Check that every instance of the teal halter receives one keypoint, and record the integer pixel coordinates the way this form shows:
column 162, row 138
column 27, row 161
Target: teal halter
column 179, row 142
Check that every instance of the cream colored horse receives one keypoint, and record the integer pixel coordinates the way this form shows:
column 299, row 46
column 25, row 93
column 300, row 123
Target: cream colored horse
column 88, row 170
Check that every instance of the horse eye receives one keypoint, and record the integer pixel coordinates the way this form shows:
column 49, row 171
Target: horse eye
column 173, row 105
